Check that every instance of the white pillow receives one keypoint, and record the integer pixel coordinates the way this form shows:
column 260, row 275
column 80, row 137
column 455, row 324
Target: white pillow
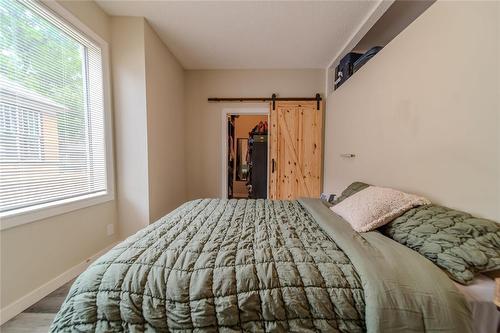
column 375, row 206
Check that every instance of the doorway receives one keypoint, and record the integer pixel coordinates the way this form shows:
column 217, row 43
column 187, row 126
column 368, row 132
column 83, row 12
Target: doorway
column 245, row 153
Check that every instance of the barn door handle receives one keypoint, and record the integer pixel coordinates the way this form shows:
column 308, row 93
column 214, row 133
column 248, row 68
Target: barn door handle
column 273, row 162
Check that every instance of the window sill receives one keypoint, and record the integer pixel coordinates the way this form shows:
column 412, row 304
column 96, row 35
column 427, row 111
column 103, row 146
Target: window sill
column 39, row 212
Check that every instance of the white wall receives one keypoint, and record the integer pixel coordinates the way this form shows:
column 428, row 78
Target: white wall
column 33, row 254
column 165, row 113
column 423, row 115
column 203, row 119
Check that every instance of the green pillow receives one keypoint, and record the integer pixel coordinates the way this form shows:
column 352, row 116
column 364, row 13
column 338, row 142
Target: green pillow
column 350, row 190
column 459, row 243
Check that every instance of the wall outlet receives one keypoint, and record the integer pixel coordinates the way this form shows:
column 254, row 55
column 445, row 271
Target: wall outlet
column 110, row 229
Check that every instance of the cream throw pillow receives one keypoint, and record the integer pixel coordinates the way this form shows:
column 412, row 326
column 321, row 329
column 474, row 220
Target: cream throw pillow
column 375, row 206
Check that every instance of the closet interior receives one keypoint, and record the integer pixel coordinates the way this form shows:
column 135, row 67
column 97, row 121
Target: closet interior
column 247, row 160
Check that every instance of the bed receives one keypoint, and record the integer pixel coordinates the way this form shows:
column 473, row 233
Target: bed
column 216, row 265
column 479, row 295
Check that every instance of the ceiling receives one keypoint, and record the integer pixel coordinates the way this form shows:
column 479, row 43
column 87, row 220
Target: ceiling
column 392, row 22
column 250, row 34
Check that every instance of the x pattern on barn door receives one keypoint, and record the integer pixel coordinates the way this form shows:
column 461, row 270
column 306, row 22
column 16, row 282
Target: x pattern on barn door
column 295, row 150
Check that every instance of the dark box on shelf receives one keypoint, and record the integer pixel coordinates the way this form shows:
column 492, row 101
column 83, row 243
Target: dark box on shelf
column 345, row 68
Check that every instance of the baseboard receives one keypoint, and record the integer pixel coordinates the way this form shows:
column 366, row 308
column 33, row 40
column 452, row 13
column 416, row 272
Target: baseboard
column 18, row 306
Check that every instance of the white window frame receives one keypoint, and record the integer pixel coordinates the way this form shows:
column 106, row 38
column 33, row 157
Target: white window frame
column 54, row 208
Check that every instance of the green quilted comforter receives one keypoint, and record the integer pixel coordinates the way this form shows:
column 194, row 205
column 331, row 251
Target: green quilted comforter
column 259, row 265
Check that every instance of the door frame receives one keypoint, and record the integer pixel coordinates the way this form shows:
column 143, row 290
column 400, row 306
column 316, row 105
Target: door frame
column 248, row 111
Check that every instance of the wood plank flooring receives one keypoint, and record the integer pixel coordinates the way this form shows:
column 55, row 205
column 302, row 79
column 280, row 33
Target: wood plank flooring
column 38, row 317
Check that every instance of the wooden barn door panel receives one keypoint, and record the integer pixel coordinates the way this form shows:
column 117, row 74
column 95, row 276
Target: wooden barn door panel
column 295, row 148
column 273, row 153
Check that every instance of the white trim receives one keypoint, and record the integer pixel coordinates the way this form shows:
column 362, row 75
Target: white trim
column 67, row 16
column 53, row 208
column 239, row 111
column 378, row 10
column 13, row 309
column 38, row 212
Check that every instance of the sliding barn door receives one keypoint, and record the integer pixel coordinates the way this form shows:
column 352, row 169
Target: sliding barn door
column 295, row 150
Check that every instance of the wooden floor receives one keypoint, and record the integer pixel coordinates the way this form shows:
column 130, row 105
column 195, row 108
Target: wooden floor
column 38, row 317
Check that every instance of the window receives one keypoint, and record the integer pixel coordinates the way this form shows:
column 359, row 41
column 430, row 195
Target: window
column 52, row 111
column 23, row 127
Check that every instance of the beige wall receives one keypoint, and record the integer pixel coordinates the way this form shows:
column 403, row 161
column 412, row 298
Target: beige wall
column 423, row 115
column 149, row 103
column 203, row 119
column 165, row 119
column 35, row 253
column 129, row 92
